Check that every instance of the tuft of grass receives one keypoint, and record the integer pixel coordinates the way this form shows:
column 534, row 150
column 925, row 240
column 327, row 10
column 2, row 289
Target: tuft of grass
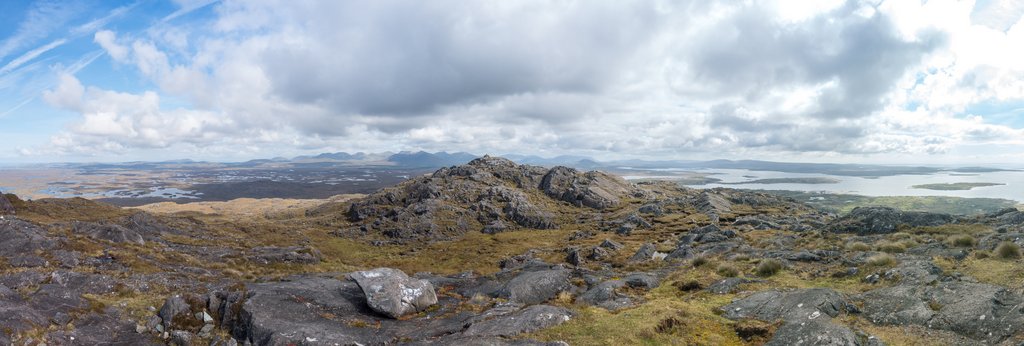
column 1008, row 250
column 982, row 254
column 890, row 247
column 699, row 261
column 962, row 240
column 768, row 267
column 727, row 270
column 881, row 260
column 858, row 246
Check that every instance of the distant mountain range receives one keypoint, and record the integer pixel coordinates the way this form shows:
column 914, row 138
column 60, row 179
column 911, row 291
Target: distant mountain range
column 426, row 160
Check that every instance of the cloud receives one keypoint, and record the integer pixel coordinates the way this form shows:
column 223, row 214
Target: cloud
column 39, row 22
column 617, row 77
column 28, row 56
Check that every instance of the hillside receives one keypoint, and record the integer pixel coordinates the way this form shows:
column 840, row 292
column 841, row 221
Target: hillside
column 497, row 253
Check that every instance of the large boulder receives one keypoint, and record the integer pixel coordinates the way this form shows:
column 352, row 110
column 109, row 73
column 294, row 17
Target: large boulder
column 527, row 320
column 19, row 238
column 596, row 190
column 394, row 294
column 535, row 287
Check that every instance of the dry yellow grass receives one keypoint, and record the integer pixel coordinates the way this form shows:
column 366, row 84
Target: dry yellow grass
column 244, row 207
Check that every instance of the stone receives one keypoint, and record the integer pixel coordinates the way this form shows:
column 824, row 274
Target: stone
column 109, row 232
column 6, row 208
column 644, row 253
column 884, row 220
column 611, row 245
column 172, row 311
column 394, row 294
column 527, row 320
column 290, row 254
column 535, row 287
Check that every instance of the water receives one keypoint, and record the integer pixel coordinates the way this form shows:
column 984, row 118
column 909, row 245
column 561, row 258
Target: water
column 896, row 185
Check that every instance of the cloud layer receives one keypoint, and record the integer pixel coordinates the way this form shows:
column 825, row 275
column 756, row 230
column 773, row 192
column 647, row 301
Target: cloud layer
column 621, row 78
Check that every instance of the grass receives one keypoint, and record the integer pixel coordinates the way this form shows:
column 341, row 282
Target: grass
column 881, row 260
column 988, row 270
column 768, row 267
column 1007, row 250
column 962, row 240
column 858, row 246
column 664, row 319
column 727, row 270
column 892, row 247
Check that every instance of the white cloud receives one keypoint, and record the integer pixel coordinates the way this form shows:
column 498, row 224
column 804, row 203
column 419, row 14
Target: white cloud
column 618, row 78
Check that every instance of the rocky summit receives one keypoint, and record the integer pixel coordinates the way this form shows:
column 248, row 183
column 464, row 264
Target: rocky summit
column 496, row 253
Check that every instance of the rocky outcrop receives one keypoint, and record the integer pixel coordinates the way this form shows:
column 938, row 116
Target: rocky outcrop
column 488, row 194
column 596, row 190
column 806, row 316
column 6, row 208
column 289, row 254
column 109, row 232
column 977, row 311
column 392, row 293
column 535, row 287
column 884, row 220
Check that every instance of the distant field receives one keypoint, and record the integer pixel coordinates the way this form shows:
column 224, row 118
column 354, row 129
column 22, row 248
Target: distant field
column 954, row 186
column 844, row 203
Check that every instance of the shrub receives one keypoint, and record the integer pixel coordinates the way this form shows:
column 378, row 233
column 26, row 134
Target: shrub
column 1008, row 250
column 881, row 260
column 961, row 240
column 687, row 286
column 768, row 267
column 699, row 261
column 982, row 254
column 890, row 247
column 858, row 246
column 727, row 271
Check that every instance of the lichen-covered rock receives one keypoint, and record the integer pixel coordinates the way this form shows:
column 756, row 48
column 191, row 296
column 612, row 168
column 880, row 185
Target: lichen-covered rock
column 290, row 254
column 393, row 293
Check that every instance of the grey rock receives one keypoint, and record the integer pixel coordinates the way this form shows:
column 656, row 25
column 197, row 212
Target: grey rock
column 174, row 310
column 393, row 293
column 109, row 232
column 6, row 208
column 290, row 254
column 575, row 257
column 981, row 312
column 814, row 332
column 796, row 305
column 641, row 280
column 595, row 190
column 182, row 338
column 729, row 285
column 535, row 287
column 644, row 253
column 611, row 245
column 598, row 253
column 884, row 220
column 605, row 295
column 530, row 319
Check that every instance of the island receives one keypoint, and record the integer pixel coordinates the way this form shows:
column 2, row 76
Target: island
column 954, row 186
column 808, row 180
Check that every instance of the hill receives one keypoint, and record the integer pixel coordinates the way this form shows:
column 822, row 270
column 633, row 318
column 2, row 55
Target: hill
column 497, row 253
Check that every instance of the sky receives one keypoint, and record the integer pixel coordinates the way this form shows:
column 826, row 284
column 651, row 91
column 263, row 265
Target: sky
column 906, row 81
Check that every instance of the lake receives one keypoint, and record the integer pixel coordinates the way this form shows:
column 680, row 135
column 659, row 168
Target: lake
column 896, row 185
